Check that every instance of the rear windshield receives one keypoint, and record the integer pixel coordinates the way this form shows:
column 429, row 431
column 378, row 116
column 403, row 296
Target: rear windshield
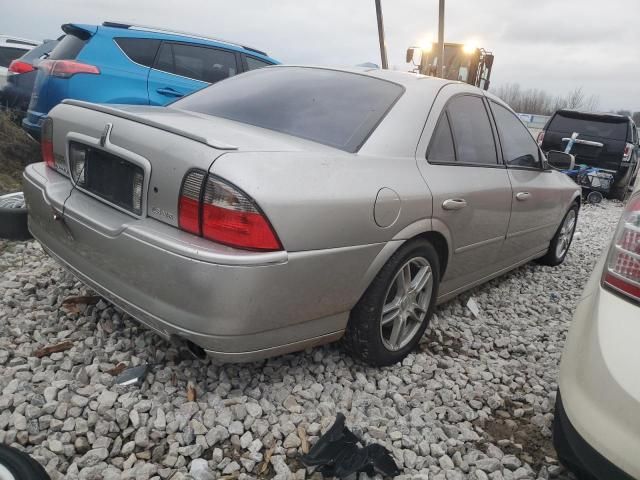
column 9, row 54
column 39, row 51
column 330, row 107
column 592, row 127
column 68, row 48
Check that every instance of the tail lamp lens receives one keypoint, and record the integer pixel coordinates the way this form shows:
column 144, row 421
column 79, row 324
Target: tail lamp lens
column 622, row 272
column 77, row 162
column 628, row 150
column 189, row 203
column 218, row 211
column 46, row 142
column 540, row 138
column 67, row 68
column 18, row 66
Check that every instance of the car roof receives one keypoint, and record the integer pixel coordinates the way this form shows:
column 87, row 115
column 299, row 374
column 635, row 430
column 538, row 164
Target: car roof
column 124, row 29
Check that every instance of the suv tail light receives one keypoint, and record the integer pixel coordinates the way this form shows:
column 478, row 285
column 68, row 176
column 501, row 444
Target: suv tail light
column 216, row 210
column 46, row 143
column 622, row 270
column 67, row 68
column 628, row 150
column 540, row 138
column 18, row 66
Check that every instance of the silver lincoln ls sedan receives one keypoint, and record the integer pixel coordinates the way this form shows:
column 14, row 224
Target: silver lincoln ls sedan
column 293, row 206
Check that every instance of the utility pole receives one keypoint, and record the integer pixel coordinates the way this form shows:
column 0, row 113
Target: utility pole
column 383, row 46
column 440, row 71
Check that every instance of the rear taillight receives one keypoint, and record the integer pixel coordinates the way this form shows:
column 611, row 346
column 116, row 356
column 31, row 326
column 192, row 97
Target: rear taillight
column 219, row 211
column 540, row 138
column 628, row 150
column 189, row 207
column 18, row 66
column 622, row 271
column 46, row 142
column 67, row 68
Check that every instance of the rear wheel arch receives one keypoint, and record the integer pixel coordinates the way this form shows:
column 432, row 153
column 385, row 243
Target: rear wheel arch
column 439, row 242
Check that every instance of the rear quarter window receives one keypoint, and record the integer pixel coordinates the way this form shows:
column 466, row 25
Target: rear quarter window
column 140, row 50
column 9, row 54
column 68, row 48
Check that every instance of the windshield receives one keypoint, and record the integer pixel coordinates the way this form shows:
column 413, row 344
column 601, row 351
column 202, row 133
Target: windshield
column 334, row 108
column 613, row 130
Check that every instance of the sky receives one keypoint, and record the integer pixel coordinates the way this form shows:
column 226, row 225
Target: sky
column 554, row 45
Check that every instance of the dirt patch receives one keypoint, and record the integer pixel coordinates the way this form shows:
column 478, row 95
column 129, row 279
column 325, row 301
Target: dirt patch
column 17, row 150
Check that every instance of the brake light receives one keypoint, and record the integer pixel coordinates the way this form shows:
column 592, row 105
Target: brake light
column 540, row 138
column 622, row 271
column 189, row 203
column 216, row 210
column 628, row 150
column 46, row 142
column 67, row 68
column 18, row 66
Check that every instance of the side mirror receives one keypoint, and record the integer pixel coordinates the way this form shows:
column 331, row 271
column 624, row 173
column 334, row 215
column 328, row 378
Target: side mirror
column 414, row 55
column 561, row 160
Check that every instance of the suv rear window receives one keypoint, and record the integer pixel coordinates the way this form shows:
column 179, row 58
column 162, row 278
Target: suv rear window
column 9, row 54
column 68, row 48
column 613, row 130
column 334, row 108
column 140, row 50
column 39, row 51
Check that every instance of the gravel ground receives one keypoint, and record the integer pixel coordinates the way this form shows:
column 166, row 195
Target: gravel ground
column 476, row 401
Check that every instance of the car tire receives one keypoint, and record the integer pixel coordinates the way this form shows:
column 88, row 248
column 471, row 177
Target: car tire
column 621, row 189
column 371, row 339
column 561, row 241
column 13, row 219
column 17, row 465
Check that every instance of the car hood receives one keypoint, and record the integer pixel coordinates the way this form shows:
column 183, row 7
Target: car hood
column 218, row 132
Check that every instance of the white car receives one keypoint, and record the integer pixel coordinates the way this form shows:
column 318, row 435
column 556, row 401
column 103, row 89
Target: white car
column 597, row 420
column 10, row 49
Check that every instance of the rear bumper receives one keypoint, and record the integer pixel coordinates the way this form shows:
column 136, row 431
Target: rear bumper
column 599, row 384
column 238, row 306
column 576, row 453
column 32, row 124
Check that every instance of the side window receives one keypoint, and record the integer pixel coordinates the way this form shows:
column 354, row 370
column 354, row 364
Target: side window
column 140, row 50
column 200, row 63
column 253, row 63
column 472, row 134
column 518, row 147
column 8, row 55
column 441, row 146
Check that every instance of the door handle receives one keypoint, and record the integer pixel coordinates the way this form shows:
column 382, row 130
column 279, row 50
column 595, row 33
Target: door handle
column 169, row 92
column 454, row 204
column 523, row 195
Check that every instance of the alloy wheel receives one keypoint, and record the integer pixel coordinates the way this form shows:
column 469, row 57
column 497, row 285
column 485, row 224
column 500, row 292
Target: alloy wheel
column 406, row 303
column 566, row 234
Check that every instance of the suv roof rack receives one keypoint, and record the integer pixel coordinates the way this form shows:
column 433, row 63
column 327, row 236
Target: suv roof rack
column 146, row 28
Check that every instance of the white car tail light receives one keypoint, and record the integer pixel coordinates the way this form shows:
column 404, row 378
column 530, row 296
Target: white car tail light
column 540, row 138
column 219, row 211
column 622, row 271
column 628, row 150
column 46, row 147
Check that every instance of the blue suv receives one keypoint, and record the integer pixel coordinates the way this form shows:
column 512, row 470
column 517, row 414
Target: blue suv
column 120, row 63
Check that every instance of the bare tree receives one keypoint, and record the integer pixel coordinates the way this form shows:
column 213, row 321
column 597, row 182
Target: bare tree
column 540, row 102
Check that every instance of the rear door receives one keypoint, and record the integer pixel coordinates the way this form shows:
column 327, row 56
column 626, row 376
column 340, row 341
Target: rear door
column 181, row 68
column 536, row 193
column 7, row 55
column 470, row 188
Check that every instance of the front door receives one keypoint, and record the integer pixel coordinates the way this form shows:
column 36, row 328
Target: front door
column 470, row 189
column 536, row 203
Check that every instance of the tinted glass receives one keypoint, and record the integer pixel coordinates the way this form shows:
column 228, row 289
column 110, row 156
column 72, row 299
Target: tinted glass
column 441, row 147
column 39, row 51
column 518, row 147
column 253, row 63
column 334, row 108
column 68, row 48
column 200, row 63
column 472, row 130
column 586, row 126
column 9, row 54
column 140, row 50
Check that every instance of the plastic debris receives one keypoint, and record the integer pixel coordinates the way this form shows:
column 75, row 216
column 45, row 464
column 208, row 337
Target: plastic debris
column 338, row 454
column 473, row 307
column 133, row 375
